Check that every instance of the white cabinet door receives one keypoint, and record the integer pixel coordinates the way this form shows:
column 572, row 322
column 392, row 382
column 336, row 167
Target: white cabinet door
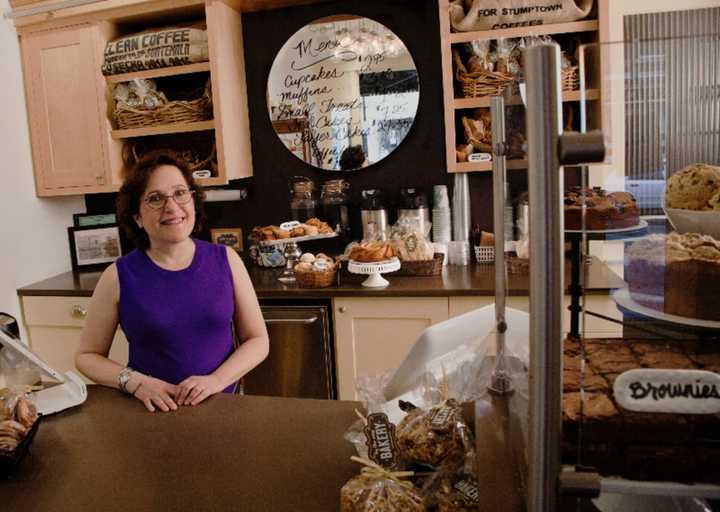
column 374, row 335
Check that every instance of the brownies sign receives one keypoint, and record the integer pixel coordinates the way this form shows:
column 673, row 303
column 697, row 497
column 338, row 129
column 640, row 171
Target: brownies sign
column 670, row 391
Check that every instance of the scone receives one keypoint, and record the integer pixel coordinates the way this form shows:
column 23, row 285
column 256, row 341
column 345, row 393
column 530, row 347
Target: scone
column 696, row 187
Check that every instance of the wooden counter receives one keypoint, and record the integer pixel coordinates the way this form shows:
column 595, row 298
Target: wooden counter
column 229, row 453
column 454, row 281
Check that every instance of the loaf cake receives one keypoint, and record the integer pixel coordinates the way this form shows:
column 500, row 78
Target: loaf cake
column 603, row 210
column 598, row 432
column 695, row 187
column 678, row 274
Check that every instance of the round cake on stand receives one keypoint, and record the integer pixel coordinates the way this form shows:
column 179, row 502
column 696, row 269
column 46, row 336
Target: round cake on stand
column 373, row 271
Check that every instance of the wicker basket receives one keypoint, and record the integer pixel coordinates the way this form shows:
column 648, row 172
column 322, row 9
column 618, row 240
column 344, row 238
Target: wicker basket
column 483, row 83
column 316, row 278
column 431, row 267
column 172, row 112
column 480, row 83
column 484, row 253
column 570, row 79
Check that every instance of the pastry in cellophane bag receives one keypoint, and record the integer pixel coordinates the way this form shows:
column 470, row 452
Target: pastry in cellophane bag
column 409, row 240
column 436, row 434
column 451, row 488
column 377, row 489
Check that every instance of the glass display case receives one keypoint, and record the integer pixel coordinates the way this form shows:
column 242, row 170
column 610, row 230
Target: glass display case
column 641, row 410
column 624, row 406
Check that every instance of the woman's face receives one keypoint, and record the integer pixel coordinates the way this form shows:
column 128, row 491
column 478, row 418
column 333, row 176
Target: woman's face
column 167, row 208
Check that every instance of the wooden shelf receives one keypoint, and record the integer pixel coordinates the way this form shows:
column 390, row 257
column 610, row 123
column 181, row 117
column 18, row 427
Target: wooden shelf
column 463, row 103
column 164, row 129
column 537, row 30
column 487, row 166
column 198, row 67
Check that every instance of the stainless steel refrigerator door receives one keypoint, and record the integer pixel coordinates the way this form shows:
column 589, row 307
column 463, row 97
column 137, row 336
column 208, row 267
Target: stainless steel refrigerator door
column 300, row 362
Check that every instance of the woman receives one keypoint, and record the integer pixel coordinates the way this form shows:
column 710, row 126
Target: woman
column 175, row 297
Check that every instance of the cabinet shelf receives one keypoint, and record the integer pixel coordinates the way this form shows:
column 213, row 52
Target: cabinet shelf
column 483, row 102
column 537, row 30
column 198, row 67
column 164, row 129
column 487, row 166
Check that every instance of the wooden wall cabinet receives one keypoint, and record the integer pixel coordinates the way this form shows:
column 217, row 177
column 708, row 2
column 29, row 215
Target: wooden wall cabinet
column 63, row 102
column 54, row 325
column 76, row 149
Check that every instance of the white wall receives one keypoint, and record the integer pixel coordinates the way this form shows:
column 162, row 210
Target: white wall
column 33, row 231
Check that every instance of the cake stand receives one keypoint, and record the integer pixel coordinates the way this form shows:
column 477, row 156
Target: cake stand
column 626, row 302
column 575, row 237
column 373, row 270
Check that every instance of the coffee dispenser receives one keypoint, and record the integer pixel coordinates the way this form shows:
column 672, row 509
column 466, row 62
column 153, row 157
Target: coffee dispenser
column 373, row 216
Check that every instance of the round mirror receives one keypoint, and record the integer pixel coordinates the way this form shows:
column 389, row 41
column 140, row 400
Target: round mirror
column 343, row 93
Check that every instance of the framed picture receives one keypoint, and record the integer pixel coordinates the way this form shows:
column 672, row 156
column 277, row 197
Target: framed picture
column 94, row 247
column 232, row 237
column 83, row 219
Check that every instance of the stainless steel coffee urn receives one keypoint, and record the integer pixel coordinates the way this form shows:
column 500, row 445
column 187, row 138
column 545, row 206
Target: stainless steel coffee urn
column 373, row 216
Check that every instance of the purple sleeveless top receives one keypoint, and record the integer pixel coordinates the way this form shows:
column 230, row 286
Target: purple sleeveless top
column 177, row 323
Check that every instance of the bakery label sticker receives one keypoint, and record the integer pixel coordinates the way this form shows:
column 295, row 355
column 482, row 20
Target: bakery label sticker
column 443, row 417
column 669, row 391
column 468, row 490
column 380, row 440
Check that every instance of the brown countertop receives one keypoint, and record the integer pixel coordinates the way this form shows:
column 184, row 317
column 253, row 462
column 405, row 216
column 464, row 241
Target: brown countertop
column 454, row 281
column 229, row 453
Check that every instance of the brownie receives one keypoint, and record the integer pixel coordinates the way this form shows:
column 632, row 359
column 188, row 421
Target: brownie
column 638, row 445
column 708, row 462
column 606, row 458
column 709, row 362
column 645, row 427
column 571, row 346
column 596, row 415
column 643, row 463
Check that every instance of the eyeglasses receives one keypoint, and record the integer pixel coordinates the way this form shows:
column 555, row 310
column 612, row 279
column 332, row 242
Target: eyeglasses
column 156, row 200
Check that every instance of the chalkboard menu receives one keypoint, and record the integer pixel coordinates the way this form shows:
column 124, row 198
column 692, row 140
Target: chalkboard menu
column 349, row 86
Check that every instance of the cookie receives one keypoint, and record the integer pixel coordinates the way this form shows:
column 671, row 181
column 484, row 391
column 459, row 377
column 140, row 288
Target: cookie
column 694, row 187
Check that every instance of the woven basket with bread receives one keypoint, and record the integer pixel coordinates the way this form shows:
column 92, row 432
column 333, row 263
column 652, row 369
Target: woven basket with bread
column 316, row 271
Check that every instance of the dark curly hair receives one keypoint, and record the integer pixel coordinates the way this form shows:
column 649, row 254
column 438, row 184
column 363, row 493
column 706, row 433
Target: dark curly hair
column 352, row 158
column 133, row 187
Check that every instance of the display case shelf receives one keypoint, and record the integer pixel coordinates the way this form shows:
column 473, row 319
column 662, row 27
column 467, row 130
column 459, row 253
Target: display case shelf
column 164, row 129
column 484, row 102
column 487, row 166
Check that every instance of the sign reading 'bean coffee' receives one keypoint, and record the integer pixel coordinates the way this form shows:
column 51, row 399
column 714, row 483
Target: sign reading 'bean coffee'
column 380, row 440
column 157, row 49
column 669, row 391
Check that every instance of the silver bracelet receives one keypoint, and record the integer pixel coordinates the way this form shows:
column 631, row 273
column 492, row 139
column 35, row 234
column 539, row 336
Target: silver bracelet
column 123, row 378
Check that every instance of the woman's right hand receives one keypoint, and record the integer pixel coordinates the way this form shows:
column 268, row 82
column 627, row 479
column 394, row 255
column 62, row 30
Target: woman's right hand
column 154, row 393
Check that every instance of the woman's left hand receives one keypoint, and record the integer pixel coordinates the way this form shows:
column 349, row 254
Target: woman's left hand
column 197, row 388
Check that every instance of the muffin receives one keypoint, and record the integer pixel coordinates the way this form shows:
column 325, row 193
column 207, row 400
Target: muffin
column 696, row 187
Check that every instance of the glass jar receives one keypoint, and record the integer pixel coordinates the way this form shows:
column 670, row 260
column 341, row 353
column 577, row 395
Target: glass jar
column 334, row 203
column 302, row 202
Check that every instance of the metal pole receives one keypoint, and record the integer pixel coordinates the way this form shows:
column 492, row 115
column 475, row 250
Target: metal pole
column 546, row 274
column 500, row 382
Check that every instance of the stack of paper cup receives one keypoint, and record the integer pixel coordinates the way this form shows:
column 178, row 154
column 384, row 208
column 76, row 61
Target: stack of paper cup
column 441, row 215
column 461, row 207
